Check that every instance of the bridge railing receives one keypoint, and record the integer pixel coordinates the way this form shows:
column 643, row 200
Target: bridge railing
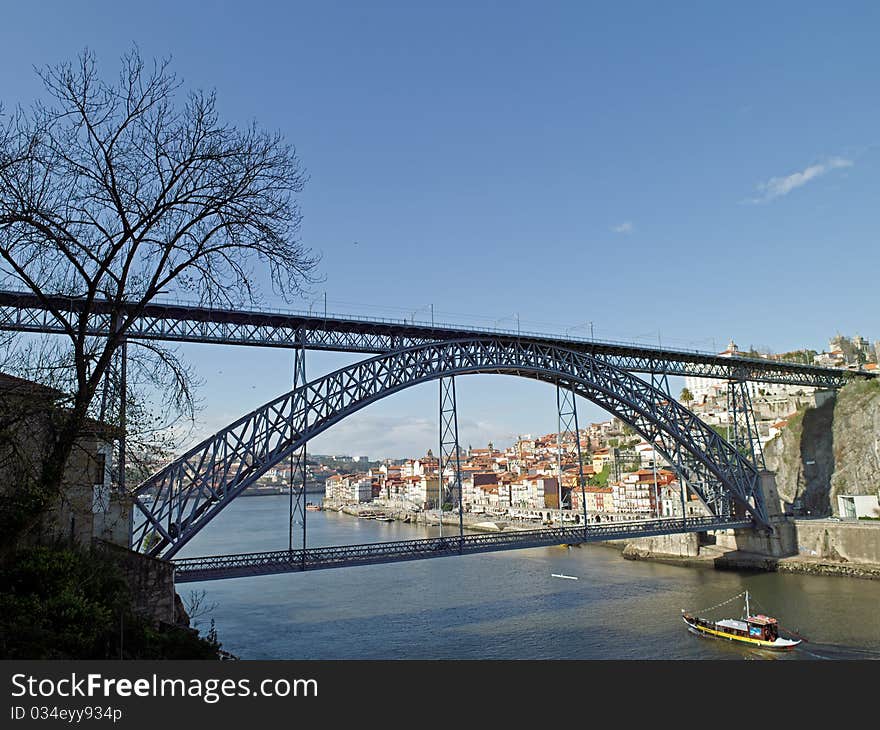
column 540, row 334
column 427, row 326
column 17, row 307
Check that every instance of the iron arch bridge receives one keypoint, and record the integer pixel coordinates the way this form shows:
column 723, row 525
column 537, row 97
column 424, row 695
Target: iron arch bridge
column 178, row 501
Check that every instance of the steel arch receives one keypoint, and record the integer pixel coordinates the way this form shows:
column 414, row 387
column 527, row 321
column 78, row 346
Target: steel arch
column 192, row 490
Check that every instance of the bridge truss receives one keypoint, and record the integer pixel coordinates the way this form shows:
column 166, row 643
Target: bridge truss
column 25, row 312
column 187, row 494
column 179, row 500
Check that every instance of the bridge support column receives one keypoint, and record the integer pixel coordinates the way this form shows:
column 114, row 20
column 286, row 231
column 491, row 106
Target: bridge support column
column 123, row 390
column 661, row 382
column 298, row 471
column 567, row 422
column 449, row 452
column 743, row 431
column 121, row 376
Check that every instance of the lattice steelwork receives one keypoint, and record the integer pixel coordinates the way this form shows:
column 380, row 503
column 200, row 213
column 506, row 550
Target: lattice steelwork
column 24, row 312
column 743, row 430
column 567, row 426
column 191, row 491
column 661, row 382
column 450, row 455
column 298, row 468
column 216, row 567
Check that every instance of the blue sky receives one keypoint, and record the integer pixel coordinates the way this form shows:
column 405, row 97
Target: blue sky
column 688, row 171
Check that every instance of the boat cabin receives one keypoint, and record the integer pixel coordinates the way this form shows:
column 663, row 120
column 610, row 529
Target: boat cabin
column 760, row 627
column 763, row 627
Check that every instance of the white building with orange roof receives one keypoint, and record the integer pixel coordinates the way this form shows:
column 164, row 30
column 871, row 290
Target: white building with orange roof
column 598, row 499
column 423, row 491
column 601, row 458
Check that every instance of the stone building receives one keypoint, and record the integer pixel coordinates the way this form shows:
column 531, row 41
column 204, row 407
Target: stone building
column 87, row 507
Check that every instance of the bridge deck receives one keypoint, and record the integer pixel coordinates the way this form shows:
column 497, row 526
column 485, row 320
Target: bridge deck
column 190, row 570
column 25, row 312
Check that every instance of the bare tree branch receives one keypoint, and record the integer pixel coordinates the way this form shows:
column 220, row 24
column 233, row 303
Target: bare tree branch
column 117, row 190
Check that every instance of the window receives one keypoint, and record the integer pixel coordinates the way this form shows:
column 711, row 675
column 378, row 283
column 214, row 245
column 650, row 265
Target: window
column 99, row 464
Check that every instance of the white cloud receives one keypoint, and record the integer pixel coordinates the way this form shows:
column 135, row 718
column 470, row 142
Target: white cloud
column 776, row 187
column 625, row 227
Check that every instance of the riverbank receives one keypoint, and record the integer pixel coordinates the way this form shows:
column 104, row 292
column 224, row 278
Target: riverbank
column 472, row 522
column 826, row 547
column 716, row 559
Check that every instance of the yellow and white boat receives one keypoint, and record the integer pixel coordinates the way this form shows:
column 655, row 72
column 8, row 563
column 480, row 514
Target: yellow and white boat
column 759, row 631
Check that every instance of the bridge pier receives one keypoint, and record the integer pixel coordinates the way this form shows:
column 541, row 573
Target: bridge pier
column 779, row 542
column 743, row 431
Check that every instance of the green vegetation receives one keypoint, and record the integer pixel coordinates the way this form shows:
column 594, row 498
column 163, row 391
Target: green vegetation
column 862, row 388
column 796, row 420
column 58, row 602
column 726, row 432
column 722, row 431
column 601, row 479
column 804, row 357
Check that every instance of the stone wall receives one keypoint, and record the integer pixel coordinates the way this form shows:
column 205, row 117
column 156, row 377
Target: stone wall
column 850, row 541
column 151, row 582
column 686, row 545
column 83, row 508
column 778, row 542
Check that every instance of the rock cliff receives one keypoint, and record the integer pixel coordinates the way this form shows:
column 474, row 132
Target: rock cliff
column 830, row 450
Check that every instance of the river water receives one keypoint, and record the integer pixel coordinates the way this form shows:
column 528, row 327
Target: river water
column 503, row 605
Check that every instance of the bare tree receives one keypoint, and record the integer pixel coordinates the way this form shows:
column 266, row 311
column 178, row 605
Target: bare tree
column 113, row 190
column 197, row 607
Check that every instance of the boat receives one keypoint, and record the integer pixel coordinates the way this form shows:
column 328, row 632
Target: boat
column 313, row 507
column 757, row 630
